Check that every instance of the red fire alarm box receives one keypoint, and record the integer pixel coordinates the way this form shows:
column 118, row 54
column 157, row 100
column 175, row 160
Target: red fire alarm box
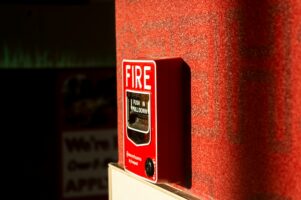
column 153, row 119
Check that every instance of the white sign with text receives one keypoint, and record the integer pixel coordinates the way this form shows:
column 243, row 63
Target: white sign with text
column 85, row 155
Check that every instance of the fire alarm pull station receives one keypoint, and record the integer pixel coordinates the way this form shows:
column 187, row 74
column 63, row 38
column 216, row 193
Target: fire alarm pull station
column 153, row 118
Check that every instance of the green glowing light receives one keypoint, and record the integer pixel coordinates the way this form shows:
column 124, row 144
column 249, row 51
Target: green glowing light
column 19, row 59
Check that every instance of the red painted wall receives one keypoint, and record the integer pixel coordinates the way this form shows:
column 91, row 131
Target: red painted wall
column 245, row 62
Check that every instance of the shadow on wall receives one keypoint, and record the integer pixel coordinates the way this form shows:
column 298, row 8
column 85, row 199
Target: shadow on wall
column 187, row 125
column 260, row 61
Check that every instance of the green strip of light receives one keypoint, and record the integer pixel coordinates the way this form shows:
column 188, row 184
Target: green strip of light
column 18, row 60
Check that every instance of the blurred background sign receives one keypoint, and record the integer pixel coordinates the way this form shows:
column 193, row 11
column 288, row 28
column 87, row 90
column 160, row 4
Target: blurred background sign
column 88, row 133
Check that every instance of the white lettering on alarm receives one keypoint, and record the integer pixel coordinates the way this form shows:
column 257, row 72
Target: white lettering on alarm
column 133, row 156
column 135, row 73
column 146, row 77
column 139, row 110
column 138, row 76
column 133, row 162
column 136, row 102
column 127, row 67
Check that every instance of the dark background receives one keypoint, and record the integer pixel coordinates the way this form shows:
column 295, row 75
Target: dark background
column 38, row 41
column 57, row 34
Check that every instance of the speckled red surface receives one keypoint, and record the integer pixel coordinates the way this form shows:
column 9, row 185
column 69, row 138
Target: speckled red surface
column 245, row 62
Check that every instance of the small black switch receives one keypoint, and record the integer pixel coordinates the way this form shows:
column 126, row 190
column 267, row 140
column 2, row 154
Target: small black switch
column 149, row 167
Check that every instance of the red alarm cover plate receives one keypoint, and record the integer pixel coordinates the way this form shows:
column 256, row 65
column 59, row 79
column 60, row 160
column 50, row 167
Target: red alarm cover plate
column 153, row 118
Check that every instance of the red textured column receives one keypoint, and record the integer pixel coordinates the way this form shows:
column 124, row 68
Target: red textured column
column 244, row 58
